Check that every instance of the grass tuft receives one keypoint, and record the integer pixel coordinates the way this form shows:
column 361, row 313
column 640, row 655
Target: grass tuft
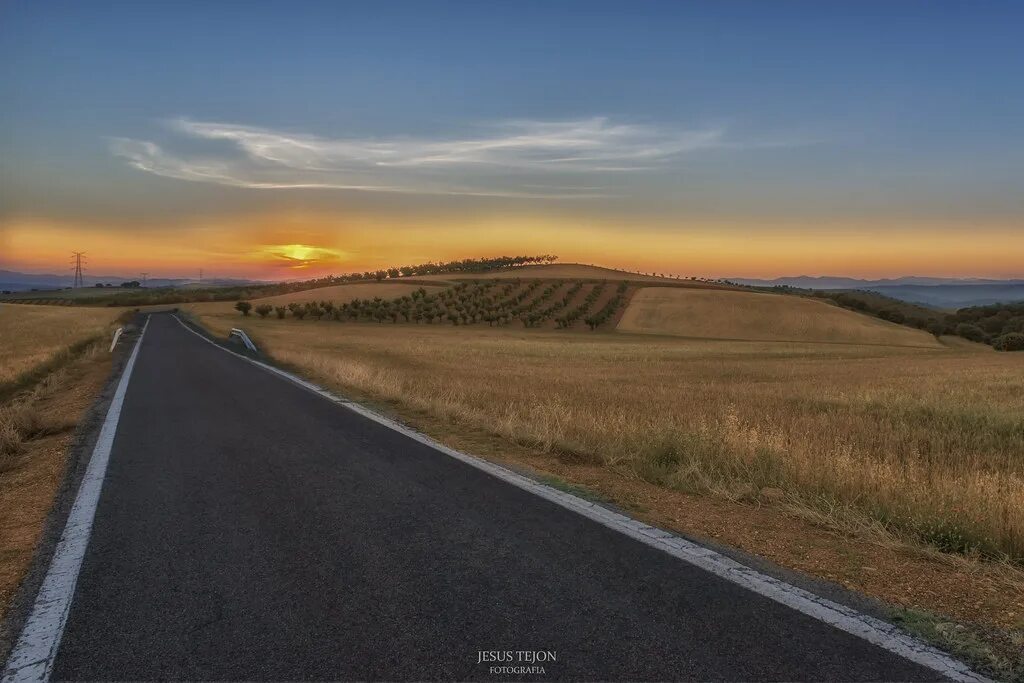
column 1003, row 659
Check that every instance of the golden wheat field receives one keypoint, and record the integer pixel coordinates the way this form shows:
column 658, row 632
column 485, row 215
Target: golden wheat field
column 755, row 316
column 927, row 442
column 32, row 335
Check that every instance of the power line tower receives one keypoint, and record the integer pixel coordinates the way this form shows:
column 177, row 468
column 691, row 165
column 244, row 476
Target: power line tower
column 143, row 278
column 76, row 259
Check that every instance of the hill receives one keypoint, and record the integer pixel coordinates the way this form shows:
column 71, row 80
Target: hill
column 529, row 303
column 758, row 317
column 955, row 296
column 579, row 271
column 830, row 282
column 929, row 291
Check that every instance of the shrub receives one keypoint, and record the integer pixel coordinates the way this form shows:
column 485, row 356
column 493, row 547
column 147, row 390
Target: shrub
column 244, row 307
column 280, row 310
column 263, row 310
column 1014, row 341
column 969, row 331
column 297, row 309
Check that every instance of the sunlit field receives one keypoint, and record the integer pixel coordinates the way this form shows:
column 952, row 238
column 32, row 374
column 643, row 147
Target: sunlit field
column 35, row 341
column 927, row 443
column 759, row 317
column 33, row 335
column 53, row 361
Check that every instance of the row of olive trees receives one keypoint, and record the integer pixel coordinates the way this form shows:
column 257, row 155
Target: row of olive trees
column 463, row 304
column 571, row 316
column 608, row 310
column 536, row 318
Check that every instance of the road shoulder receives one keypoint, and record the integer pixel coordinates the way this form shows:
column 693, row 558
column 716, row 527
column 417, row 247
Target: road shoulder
column 48, row 475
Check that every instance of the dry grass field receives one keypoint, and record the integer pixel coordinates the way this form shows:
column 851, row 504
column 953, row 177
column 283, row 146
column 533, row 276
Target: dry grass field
column 755, row 316
column 925, row 442
column 53, row 362
column 33, row 335
column 35, row 343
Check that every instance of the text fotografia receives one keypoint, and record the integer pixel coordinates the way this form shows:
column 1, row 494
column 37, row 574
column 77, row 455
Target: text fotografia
column 516, row 661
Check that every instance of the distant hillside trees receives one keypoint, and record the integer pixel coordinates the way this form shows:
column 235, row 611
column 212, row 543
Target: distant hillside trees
column 1012, row 341
column 984, row 324
column 1000, row 325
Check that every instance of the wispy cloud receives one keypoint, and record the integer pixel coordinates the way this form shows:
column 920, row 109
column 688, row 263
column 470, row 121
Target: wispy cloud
column 512, row 158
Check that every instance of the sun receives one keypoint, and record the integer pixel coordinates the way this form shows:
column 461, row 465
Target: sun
column 300, row 252
column 302, row 256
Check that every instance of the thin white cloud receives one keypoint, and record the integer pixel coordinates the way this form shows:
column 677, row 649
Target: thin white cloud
column 494, row 164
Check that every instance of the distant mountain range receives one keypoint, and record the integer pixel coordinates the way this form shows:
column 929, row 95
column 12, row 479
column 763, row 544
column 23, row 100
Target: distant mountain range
column 938, row 292
column 14, row 281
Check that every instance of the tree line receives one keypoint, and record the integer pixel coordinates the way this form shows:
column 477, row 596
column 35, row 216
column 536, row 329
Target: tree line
column 998, row 325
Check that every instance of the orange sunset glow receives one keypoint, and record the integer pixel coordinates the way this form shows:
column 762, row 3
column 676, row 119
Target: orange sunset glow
column 262, row 247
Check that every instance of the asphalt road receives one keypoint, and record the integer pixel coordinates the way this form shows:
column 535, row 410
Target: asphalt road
column 249, row 529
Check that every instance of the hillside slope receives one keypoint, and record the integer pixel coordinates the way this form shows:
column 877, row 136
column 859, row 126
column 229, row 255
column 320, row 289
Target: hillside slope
column 576, row 271
column 756, row 316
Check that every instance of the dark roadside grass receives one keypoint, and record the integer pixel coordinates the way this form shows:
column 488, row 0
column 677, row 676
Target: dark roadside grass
column 992, row 651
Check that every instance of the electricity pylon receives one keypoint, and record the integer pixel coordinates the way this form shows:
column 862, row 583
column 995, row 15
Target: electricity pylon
column 76, row 257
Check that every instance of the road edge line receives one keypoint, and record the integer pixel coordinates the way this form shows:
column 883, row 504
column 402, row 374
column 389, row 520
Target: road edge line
column 871, row 629
column 33, row 655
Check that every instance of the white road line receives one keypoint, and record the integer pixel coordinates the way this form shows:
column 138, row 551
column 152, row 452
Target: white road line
column 875, row 631
column 33, row 656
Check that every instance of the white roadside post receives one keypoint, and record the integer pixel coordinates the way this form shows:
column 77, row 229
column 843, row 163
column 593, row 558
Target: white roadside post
column 117, row 335
column 235, row 332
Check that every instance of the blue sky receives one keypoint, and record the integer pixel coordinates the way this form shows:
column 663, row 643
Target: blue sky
column 662, row 116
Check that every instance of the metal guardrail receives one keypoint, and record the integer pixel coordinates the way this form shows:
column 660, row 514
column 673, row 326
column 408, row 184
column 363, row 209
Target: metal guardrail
column 235, row 332
column 117, row 335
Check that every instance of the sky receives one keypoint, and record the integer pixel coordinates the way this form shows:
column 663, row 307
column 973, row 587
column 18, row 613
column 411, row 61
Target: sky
column 296, row 139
